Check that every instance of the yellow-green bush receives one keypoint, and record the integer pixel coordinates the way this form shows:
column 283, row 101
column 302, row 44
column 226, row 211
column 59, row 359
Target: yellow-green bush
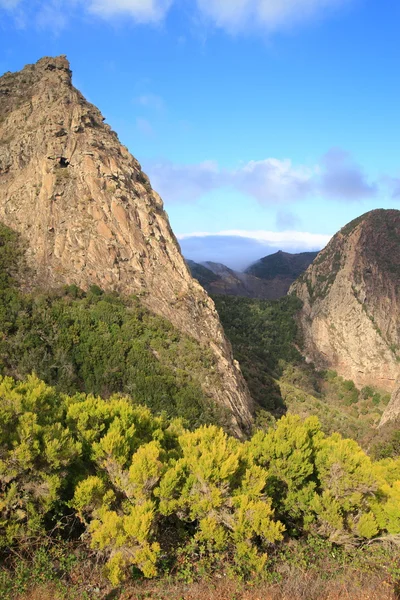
column 37, row 452
column 145, row 488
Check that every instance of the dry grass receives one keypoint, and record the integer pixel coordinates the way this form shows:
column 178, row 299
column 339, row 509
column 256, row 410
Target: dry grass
column 370, row 573
column 296, row 588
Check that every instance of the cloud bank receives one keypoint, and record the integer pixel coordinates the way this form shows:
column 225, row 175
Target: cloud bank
column 238, row 248
column 270, row 181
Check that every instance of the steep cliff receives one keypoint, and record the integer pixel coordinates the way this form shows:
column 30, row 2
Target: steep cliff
column 88, row 213
column 351, row 293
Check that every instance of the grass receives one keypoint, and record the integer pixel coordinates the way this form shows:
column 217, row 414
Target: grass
column 297, row 586
column 314, row 570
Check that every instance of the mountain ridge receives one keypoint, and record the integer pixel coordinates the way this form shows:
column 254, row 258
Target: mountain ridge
column 276, row 273
column 88, row 213
column 351, row 302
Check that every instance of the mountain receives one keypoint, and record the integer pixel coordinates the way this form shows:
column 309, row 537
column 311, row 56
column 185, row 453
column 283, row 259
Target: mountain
column 351, row 294
column 267, row 279
column 217, row 278
column 281, row 270
column 88, row 214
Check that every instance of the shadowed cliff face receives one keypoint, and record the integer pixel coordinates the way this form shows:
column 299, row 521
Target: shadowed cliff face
column 351, row 295
column 89, row 215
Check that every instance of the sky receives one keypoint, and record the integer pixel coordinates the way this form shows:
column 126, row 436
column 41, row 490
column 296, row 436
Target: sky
column 263, row 124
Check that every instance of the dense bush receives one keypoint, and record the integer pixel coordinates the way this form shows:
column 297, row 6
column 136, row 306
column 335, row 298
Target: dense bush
column 143, row 486
column 263, row 334
column 100, row 343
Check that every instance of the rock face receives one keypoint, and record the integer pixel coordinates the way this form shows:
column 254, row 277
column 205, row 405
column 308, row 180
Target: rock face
column 89, row 215
column 392, row 412
column 351, row 293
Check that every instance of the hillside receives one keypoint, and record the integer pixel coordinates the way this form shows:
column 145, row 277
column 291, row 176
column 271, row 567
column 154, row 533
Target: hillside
column 267, row 279
column 217, row 278
column 267, row 341
column 88, row 215
column 351, row 295
column 281, row 269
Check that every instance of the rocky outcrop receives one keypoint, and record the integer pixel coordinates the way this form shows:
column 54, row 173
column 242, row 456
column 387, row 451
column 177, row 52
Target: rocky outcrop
column 351, row 293
column 89, row 215
column 392, row 411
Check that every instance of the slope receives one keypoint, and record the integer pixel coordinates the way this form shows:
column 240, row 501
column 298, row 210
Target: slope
column 89, row 216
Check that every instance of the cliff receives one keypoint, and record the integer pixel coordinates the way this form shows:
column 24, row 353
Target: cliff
column 351, row 293
column 88, row 214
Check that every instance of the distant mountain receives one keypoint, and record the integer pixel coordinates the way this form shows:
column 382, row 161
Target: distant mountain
column 268, row 279
column 282, row 264
column 217, row 278
column 351, row 304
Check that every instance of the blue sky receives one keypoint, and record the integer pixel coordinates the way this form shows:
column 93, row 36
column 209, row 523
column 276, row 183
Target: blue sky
column 264, row 124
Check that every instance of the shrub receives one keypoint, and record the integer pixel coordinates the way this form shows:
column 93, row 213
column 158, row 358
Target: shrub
column 37, row 456
column 144, row 486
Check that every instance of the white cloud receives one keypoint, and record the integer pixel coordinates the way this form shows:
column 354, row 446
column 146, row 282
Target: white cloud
column 231, row 15
column 277, row 239
column 52, row 15
column 342, row 178
column 184, row 183
column 269, row 181
column 273, row 180
column 236, row 15
column 142, row 11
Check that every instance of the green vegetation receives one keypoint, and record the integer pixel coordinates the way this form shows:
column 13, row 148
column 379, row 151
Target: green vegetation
column 265, row 338
column 262, row 333
column 282, row 264
column 203, row 275
column 101, row 344
column 347, row 229
column 144, row 487
column 111, row 455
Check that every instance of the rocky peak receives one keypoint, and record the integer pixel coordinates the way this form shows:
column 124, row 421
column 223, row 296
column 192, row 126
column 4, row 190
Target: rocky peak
column 89, row 215
column 351, row 296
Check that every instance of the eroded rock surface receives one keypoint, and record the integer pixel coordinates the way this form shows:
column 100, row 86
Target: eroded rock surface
column 89, row 215
column 351, row 294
